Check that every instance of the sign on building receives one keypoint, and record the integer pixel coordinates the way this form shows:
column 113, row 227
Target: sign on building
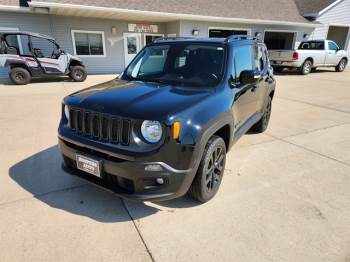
column 143, row 28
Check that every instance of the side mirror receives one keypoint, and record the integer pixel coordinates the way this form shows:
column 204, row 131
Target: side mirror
column 248, row 77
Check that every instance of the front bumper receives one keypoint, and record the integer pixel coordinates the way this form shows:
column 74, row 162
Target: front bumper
column 128, row 178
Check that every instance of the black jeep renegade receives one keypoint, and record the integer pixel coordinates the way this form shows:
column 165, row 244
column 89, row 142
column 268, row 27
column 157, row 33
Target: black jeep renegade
column 164, row 126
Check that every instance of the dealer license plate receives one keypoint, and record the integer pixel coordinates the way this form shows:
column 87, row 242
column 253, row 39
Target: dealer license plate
column 89, row 165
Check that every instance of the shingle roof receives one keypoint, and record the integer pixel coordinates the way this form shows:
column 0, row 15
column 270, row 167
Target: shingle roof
column 312, row 6
column 279, row 10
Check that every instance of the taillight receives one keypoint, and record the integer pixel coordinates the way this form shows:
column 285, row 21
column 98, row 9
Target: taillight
column 295, row 56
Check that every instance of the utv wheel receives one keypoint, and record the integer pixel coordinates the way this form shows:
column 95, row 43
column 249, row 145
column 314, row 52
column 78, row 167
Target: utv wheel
column 306, row 67
column 263, row 123
column 211, row 169
column 20, row 76
column 78, row 73
column 341, row 66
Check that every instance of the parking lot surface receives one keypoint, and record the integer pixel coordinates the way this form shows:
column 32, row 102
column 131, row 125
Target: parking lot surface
column 285, row 195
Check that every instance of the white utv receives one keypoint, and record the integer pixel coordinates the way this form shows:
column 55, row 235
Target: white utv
column 31, row 55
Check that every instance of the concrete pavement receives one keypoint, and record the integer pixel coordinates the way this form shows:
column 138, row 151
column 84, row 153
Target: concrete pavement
column 285, row 195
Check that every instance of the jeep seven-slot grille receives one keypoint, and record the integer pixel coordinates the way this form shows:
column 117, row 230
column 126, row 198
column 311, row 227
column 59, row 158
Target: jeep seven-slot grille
column 100, row 126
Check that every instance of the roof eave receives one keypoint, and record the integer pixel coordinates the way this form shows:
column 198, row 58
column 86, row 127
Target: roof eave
column 170, row 16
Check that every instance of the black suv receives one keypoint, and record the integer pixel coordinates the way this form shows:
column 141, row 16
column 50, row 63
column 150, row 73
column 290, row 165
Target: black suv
column 164, row 126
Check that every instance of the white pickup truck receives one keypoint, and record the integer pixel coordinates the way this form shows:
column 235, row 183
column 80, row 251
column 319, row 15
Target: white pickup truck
column 309, row 55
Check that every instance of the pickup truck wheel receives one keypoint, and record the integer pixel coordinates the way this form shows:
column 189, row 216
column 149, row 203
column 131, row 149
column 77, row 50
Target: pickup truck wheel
column 306, row 67
column 211, row 169
column 263, row 123
column 341, row 66
column 20, row 76
column 78, row 73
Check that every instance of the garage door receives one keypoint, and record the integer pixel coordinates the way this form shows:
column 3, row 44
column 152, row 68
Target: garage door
column 279, row 40
column 226, row 32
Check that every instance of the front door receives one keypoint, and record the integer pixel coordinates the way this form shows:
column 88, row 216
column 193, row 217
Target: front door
column 332, row 55
column 245, row 97
column 132, row 45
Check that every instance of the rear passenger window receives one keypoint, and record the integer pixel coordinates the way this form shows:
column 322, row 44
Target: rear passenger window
column 259, row 57
column 243, row 59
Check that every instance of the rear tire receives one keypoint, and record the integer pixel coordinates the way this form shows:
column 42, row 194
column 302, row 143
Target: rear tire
column 342, row 65
column 263, row 123
column 20, row 76
column 78, row 73
column 210, row 171
column 306, row 68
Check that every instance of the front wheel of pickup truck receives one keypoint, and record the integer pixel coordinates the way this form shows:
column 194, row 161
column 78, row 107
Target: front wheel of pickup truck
column 306, row 68
column 341, row 66
column 211, row 169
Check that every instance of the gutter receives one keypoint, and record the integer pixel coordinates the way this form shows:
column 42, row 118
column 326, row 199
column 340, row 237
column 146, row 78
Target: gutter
column 173, row 16
column 12, row 8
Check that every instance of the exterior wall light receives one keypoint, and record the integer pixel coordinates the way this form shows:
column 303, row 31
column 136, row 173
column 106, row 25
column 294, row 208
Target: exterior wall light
column 195, row 32
column 114, row 30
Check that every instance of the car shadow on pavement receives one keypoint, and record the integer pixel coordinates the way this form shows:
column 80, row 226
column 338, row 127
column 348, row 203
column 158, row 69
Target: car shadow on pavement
column 297, row 73
column 42, row 175
column 7, row 81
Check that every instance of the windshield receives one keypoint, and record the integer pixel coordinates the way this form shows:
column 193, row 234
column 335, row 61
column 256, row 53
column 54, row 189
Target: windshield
column 179, row 64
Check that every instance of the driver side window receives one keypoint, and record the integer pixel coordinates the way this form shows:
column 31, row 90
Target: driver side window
column 332, row 46
column 243, row 56
column 43, row 48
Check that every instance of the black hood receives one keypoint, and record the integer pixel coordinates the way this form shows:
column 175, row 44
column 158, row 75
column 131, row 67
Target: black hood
column 137, row 100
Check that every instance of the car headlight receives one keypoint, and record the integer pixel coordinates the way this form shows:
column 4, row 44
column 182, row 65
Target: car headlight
column 151, row 131
column 66, row 111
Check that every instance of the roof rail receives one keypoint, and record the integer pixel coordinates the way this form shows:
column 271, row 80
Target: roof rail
column 241, row 37
column 171, row 38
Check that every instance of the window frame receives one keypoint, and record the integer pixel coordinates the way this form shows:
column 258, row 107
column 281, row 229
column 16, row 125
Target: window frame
column 89, row 32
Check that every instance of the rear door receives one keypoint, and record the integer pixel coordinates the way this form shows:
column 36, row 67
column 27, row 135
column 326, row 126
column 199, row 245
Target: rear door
column 262, row 68
column 245, row 98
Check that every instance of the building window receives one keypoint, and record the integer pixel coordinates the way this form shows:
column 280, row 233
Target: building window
column 89, row 43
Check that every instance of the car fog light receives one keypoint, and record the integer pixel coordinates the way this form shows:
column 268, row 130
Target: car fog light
column 153, row 168
column 160, row 181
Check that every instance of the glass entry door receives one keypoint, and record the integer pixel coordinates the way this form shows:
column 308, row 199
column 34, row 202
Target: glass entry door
column 132, row 45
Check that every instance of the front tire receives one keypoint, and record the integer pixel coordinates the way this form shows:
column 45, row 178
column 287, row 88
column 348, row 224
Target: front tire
column 342, row 65
column 210, row 172
column 20, row 76
column 78, row 73
column 306, row 68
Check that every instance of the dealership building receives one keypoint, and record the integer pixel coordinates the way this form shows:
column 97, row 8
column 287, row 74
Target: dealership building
column 107, row 34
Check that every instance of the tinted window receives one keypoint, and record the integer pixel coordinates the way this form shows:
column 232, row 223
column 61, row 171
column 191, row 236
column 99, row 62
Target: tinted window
column 88, row 43
column 312, row 45
column 243, row 59
column 332, row 46
column 179, row 63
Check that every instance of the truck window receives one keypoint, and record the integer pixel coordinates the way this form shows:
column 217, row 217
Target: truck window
column 332, row 46
column 243, row 59
column 312, row 45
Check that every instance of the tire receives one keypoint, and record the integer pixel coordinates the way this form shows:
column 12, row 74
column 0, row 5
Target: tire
column 342, row 65
column 306, row 68
column 20, row 76
column 78, row 73
column 263, row 123
column 210, row 171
